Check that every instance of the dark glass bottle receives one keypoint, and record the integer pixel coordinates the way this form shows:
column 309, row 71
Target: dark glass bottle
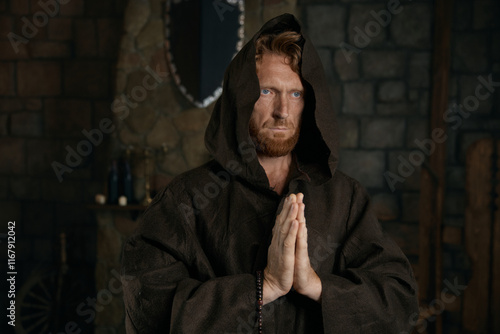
column 113, row 184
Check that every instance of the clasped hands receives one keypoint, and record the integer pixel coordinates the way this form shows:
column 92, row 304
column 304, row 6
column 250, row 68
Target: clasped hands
column 288, row 263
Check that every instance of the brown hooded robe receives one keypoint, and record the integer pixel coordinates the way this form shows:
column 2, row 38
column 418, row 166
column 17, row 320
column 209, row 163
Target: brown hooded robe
column 194, row 256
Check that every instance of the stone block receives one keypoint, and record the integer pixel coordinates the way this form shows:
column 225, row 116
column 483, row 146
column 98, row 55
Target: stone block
column 49, row 50
column 173, row 163
column 13, row 152
column 7, row 83
column 151, row 34
column 31, row 74
column 65, row 118
column 141, row 119
column 412, row 26
column 13, row 51
column 87, row 78
column 192, row 120
column 6, row 25
column 158, row 63
column 33, row 104
column 9, row 104
column 405, row 236
column 20, row 7
column 4, row 119
column 10, row 211
column 348, row 132
column 128, row 137
column 336, row 96
column 73, row 8
column 382, row 133
column 347, row 70
column 326, row 24
column 406, row 165
column 109, row 30
column 383, row 64
column 455, row 177
column 194, row 150
column 60, row 29
column 454, row 203
column 26, row 124
column 485, row 14
column 417, row 129
column 391, row 91
column 165, row 99
column 129, row 61
column 326, row 60
column 40, row 155
column 467, row 85
column 365, row 166
column 397, row 108
column 385, row 206
column 364, row 29
column 162, row 134
column 358, row 98
column 420, row 70
column 463, row 13
column 410, row 203
column 86, row 45
column 470, row 52
column 136, row 15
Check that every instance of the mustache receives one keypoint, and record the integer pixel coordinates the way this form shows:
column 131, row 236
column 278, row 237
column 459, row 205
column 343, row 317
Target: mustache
column 278, row 123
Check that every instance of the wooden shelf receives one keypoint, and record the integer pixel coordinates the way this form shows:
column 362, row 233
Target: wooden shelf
column 116, row 207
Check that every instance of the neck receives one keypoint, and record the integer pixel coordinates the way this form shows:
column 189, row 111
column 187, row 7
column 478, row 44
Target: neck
column 277, row 170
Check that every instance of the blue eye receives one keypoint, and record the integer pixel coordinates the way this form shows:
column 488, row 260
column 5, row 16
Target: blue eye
column 265, row 91
column 296, row 94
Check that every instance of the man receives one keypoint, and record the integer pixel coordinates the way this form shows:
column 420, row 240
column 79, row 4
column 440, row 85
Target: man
column 269, row 218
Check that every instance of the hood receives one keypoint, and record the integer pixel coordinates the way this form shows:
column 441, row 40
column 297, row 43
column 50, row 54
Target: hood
column 227, row 136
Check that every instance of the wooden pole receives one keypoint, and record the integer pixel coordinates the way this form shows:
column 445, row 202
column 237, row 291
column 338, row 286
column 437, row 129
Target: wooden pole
column 433, row 174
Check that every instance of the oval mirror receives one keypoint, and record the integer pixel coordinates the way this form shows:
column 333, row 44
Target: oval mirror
column 202, row 36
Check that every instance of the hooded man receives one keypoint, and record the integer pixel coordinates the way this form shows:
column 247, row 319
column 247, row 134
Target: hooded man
column 267, row 237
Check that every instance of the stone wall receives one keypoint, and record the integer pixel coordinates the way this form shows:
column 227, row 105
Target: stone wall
column 56, row 80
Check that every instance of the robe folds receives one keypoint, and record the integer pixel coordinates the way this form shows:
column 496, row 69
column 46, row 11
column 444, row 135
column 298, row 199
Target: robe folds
column 191, row 263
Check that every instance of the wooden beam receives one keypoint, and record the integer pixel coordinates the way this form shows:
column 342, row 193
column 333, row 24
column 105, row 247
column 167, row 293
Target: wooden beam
column 433, row 174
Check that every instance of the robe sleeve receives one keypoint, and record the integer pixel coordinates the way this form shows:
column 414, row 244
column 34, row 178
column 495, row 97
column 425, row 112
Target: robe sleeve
column 373, row 289
column 170, row 286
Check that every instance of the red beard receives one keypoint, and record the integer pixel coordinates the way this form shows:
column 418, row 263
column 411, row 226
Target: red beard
column 275, row 146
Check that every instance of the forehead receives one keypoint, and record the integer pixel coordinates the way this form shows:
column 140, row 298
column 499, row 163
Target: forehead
column 274, row 67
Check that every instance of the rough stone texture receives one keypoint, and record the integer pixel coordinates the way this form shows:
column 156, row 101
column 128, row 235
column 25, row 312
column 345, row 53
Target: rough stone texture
column 152, row 34
column 66, row 117
column 412, row 26
column 141, row 119
column 470, row 52
column 7, row 86
column 26, row 124
column 85, row 46
column 467, row 85
column 326, row 25
column 391, row 91
column 14, row 150
column 85, row 78
column 416, row 129
column 127, row 137
column 163, row 134
column 173, row 163
column 385, row 206
column 348, row 132
column 365, row 166
column 400, row 165
column 382, row 133
column 30, row 74
column 397, row 108
column 136, row 16
column 347, row 70
column 358, row 98
column 383, row 64
column 420, row 70
column 364, row 29
column 192, row 120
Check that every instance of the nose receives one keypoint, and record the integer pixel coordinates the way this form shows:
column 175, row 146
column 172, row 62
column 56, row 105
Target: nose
column 281, row 107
